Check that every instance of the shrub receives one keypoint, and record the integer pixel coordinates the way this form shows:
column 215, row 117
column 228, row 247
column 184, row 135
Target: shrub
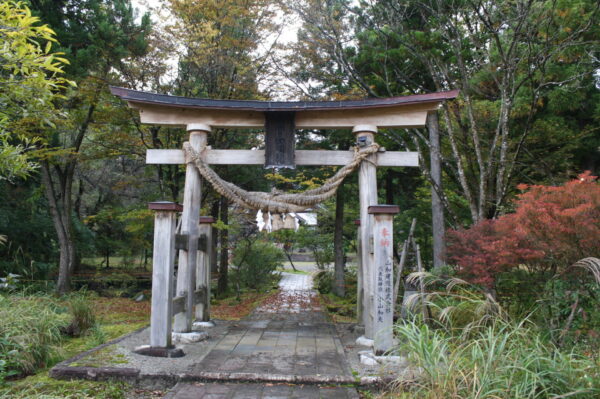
column 319, row 243
column 82, row 317
column 323, row 281
column 551, row 228
column 255, row 262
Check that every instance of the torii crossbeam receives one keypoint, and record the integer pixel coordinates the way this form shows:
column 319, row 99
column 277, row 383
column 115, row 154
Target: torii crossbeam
column 364, row 117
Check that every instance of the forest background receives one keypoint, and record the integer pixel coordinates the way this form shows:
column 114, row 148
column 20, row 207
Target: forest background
column 515, row 146
column 74, row 182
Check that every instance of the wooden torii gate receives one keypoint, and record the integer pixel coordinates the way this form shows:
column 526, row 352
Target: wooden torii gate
column 199, row 117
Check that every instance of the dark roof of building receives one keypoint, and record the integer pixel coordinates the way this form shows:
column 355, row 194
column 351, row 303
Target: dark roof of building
column 253, row 105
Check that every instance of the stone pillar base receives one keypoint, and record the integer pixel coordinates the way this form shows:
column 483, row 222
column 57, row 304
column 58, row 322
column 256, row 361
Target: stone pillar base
column 199, row 325
column 147, row 350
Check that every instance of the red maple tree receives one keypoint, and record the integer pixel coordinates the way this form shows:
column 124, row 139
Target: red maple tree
column 551, row 228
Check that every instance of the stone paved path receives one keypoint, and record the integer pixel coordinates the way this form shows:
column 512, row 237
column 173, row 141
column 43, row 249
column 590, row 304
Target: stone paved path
column 263, row 391
column 286, row 339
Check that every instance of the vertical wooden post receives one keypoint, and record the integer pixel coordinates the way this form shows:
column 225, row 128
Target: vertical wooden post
column 203, row 269
column 186, row 275
column 383, row 248
column 359, row 275
column 437, row 208
column 367, row 183
column 165, row 220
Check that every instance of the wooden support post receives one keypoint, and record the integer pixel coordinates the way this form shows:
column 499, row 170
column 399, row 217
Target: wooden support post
column 403, row 258
column 203, row 268
column 383, row 248
column 186, row 274
column 437, row 208
column 367, row 183
column 359, row 275
column 165, row 220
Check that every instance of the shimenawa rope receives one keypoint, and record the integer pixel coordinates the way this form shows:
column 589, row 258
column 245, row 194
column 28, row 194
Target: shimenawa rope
column 276, row 202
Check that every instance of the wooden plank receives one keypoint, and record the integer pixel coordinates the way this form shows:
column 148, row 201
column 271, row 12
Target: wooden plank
column 401, row 115
column 199, row 295
column 203, row 275
column 412, row 115
column 280, row 140
column 359, row 277
column 180, row 302
column 186, row 275
column 303, row 157
column 383, row 245
column 178, row 305
column 162, row 279
column 175, row 116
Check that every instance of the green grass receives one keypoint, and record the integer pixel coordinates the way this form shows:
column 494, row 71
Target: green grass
column 472, row 349
column 105, row 357
column 41, row 386
column 292, row 271
column 31, row 332
column 35, row 325
column 502, row 360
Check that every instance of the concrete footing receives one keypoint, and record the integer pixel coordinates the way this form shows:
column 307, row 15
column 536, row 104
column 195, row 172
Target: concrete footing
column 189, row 338
column 368, row 358
column 147, row 350
column 364, row 341
column 199, row 325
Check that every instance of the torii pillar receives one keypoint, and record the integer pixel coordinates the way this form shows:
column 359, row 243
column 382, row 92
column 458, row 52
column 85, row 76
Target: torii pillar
column 190, row 219
column 367, row 185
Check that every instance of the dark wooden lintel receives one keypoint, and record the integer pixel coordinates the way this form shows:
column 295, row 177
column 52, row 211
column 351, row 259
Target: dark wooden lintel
column 386, row 209
column 165, row 206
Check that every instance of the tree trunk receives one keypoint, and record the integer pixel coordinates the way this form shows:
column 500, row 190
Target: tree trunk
column 389, row 187
column 224, row 264
column 289, row 256
column 60, row 212
column 437, row 208
column 338, row 245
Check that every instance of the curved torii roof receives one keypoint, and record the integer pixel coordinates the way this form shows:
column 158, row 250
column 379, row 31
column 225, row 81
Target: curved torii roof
column 404, row 111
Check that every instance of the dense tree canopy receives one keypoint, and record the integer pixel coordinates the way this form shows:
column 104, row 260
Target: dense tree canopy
column 517, row 64
column 528, row 110
column 30, row 79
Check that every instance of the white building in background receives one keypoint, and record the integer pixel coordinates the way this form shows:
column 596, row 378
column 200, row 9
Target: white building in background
column 302, row 218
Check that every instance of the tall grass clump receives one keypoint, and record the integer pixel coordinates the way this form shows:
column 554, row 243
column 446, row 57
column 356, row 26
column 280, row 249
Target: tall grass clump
column 470, row 349
column 32, row 329
column 30, row 333
column 82, row 315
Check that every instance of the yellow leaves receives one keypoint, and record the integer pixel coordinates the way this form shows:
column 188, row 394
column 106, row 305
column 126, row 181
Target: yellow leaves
column 299, row 179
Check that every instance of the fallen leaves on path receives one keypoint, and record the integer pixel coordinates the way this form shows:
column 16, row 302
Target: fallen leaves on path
column 231, row 309
column 295, row 301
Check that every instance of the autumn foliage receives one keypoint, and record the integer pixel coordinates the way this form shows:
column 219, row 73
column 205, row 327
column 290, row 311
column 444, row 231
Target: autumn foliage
column 551, row 228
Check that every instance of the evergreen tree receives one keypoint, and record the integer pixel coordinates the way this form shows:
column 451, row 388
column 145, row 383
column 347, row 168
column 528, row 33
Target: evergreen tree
column 98, row 37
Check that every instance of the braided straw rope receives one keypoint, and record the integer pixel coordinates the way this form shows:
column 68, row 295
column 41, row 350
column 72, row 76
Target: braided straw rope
column 277, row 202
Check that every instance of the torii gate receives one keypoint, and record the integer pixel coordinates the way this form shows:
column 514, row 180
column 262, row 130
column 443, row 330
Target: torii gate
column 200, row 116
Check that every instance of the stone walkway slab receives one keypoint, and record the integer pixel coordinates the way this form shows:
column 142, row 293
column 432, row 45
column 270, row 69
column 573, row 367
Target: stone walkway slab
column 286, row 339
